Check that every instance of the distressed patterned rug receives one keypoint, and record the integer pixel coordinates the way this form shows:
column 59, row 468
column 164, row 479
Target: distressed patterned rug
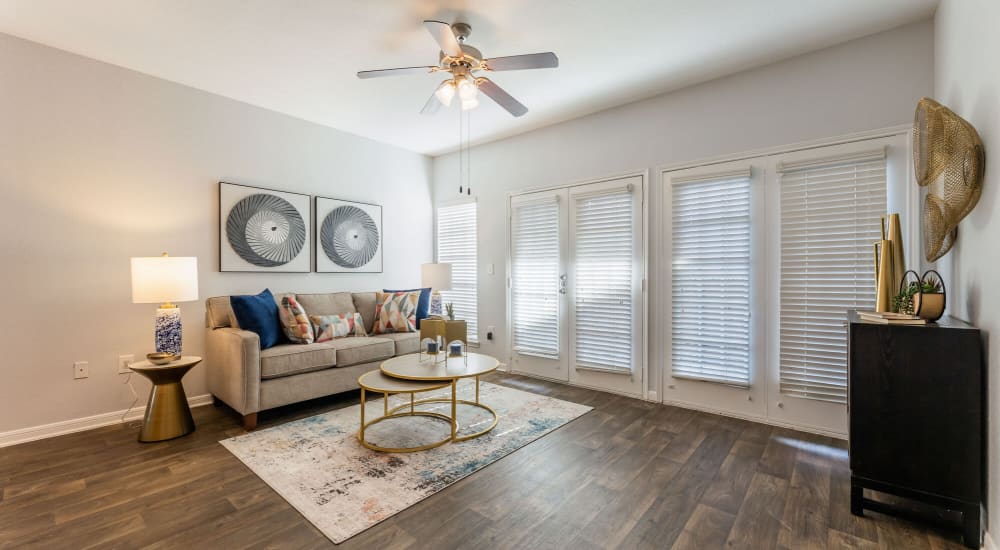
column 319, row 467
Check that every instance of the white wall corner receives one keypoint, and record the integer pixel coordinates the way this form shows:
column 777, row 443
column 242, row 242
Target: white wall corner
column 64, row 427
column 988, row 542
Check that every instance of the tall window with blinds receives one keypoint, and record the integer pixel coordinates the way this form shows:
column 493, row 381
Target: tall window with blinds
column 603, row 232
column 710, row 296
column 535, row 282
column 830, row 218
column 456, row 245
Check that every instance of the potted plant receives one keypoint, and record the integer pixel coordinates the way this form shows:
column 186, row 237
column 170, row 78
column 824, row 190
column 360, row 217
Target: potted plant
column 924, row 297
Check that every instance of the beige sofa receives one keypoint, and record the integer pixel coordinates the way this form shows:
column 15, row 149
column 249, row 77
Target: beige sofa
column 251, row 380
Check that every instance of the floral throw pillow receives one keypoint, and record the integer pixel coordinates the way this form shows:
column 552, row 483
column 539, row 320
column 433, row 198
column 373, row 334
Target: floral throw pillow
column 396, row 312
column 329, row 327
column 294, row 321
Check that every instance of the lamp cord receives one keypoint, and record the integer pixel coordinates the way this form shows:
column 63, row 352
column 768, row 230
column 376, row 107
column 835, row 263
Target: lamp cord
column 135, row 396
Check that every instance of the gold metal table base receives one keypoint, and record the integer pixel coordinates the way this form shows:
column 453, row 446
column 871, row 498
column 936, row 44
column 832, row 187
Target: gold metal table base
column 410, row 410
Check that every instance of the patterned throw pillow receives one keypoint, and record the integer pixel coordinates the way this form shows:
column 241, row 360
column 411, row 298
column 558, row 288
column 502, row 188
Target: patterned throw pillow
column 396, row 312
column 295, row 322
column 329, row 327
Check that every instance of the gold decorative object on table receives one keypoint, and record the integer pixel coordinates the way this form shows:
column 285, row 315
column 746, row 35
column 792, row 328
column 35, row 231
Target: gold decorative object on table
column 162, row 357
column 890, row 263
column 449, row 331
column 949, row 160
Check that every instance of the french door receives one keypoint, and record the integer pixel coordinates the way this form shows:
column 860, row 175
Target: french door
column 576, row 274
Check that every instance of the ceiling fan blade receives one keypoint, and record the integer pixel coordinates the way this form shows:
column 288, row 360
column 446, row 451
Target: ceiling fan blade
column 445, row 37
column 503, row 99
column 432, row 106
column 396, row 72
column 546, row 60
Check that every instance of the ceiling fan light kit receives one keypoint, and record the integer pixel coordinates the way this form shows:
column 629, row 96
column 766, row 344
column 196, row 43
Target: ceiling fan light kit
column 462, row 62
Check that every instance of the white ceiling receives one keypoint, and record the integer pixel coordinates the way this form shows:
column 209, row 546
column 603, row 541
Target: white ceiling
column 300, row 58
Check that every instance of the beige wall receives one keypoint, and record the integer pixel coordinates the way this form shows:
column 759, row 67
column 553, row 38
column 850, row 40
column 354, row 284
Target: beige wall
column 98, row 164
column 866, row 84
column 967, row 79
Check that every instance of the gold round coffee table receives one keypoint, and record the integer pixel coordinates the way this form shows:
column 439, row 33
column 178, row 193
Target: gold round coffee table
column 377, row 382
column 471, row 365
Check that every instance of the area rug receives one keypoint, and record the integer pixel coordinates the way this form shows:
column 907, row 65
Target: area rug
column 319, row 467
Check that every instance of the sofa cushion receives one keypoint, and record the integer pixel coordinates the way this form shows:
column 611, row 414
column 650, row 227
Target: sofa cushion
column 219, row 312
column 396, row 312
column 423, row 304
column 406, row 342
column 356, row 350
column 364, row 303
column 259, row 313
column 329, row 303
column 289, row 359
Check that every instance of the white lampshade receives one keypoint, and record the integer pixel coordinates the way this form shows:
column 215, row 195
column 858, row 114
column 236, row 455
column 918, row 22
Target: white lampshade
column 164, row 279
column 436, row 276
column 445, row 92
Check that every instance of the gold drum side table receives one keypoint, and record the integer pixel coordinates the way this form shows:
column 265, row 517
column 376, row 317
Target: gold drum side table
column 168, row 415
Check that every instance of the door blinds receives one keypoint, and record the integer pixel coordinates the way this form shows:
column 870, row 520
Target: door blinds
column 535, row 277
column 604, row 252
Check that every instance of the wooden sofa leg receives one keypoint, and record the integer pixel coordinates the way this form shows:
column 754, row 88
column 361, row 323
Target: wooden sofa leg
column 250, row 421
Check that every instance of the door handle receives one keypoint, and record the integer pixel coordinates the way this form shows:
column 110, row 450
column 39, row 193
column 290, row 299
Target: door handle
column 562, row 284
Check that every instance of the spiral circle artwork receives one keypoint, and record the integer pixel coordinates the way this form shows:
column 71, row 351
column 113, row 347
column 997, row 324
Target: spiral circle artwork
column 349, row 236
column 265, row 230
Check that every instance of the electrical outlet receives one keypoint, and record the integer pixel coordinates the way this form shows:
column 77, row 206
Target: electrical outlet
column 489, row 333
column 81, row 369
column 123, row 363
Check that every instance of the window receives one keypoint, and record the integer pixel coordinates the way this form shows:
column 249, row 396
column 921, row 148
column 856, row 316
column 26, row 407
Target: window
column 830, row 218
column 710, row 296
column 534, row 275
column 456, row 245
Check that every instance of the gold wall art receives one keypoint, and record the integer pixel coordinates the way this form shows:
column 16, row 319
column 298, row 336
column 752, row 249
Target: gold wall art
column 948, row 160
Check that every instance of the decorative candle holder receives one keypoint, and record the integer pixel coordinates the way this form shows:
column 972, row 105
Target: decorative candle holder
column 456, row 350
column 431, row 351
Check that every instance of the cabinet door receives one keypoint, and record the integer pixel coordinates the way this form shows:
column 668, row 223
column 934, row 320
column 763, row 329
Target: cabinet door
column 916, row 408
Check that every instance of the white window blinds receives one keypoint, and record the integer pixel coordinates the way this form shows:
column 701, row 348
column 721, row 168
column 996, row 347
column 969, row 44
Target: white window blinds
column 456, row 245
column 830, row 217
column 604, row 253
column 711, row 278
column 535, row 277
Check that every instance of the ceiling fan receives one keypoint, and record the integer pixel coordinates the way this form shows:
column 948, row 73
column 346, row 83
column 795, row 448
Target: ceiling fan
column 462, row 61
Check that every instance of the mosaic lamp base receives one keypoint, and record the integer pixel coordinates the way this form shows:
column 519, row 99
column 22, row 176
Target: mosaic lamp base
column 436, row 304
column 168, row 330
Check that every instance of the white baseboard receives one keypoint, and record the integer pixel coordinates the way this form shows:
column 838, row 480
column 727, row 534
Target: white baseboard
column 34, row 433
column 988, row 542
column 757, row 419
column 652, row 396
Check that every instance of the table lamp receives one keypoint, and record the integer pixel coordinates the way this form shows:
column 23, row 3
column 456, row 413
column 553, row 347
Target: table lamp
column 164, row 280
column 438, row 278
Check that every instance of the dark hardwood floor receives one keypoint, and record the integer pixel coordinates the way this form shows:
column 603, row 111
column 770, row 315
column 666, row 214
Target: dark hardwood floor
column 627, row 475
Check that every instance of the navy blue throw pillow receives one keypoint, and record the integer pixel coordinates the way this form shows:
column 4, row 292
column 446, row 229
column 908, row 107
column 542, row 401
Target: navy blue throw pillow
column 258, row 314
column 423, row 304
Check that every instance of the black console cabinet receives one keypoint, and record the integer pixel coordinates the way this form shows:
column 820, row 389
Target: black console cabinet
column 916, row 400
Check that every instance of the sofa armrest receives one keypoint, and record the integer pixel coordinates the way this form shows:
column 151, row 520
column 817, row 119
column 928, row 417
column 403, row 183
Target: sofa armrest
column 234, row 368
